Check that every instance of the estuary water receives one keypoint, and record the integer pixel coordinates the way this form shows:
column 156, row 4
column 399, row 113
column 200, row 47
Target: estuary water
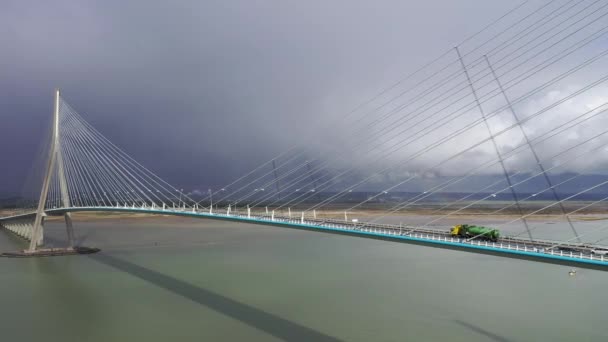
column 177, row 279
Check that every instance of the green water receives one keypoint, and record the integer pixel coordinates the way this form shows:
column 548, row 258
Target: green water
column 193, row 280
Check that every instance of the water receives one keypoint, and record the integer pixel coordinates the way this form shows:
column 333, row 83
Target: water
column 194, row 280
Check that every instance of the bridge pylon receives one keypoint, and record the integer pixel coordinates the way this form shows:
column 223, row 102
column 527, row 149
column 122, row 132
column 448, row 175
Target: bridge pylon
column 54, row 164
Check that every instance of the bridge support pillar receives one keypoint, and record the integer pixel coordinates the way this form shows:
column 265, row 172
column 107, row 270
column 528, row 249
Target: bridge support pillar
column 69, row 229
column 37, row 229
column 36, row 236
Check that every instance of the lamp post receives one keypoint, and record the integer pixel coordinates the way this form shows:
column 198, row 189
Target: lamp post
column 211, row 200
column 221, row 197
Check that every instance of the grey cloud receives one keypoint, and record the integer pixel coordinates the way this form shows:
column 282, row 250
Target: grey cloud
column 200, row 91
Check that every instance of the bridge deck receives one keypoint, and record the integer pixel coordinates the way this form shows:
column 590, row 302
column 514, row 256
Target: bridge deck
column 506, row 247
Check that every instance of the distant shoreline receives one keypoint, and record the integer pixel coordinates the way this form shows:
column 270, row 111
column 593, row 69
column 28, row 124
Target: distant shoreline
column 483, row 210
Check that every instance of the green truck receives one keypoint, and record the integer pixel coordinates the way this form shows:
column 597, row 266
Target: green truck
column 468, row 231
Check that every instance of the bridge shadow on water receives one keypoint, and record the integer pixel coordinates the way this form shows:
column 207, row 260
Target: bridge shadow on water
column 264, row 321
column 492, row 336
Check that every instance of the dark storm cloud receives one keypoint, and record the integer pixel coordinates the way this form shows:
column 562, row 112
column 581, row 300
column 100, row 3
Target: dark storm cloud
column 199, row 91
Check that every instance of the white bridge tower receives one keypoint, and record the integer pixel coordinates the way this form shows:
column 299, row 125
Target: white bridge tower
column 54, row 164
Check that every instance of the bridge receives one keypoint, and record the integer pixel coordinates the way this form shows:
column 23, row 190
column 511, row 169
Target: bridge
column 460, row 109
column 70, row 187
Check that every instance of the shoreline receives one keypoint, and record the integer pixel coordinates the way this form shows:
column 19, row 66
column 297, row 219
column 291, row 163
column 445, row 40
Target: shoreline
column 469, row 214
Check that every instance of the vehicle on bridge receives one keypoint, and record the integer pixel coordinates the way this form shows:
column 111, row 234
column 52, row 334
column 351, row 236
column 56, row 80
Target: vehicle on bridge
column 599, row 251
column 471, row 231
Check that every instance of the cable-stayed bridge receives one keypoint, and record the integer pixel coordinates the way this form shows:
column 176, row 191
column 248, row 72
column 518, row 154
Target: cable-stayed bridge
column 474, row 111
column 86, row 172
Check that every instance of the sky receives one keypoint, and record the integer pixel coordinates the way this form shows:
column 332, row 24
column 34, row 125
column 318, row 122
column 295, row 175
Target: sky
column 200, row 92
